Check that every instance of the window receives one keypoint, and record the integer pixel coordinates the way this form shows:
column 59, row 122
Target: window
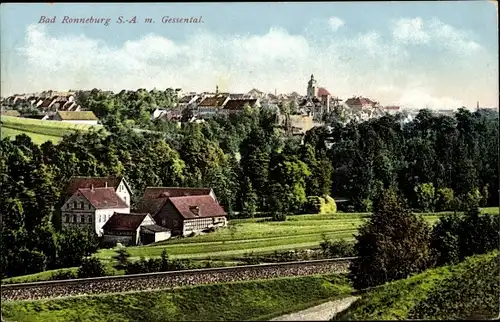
column 74, row 204
column 81, row 205
column 89, row 207
column 67, row 206
column 66, row 218
column 175, row 222
column 74, row 218
column 90, row 219
column 125, row 199
column 82, row 219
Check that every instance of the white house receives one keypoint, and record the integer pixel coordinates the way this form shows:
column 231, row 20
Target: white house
column 106, row 189
column 91, row 208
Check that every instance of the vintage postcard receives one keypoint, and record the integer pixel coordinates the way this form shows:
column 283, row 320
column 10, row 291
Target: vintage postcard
column 260, row 161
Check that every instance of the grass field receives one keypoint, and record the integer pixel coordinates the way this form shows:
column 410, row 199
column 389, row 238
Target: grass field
column 245, row 236
column 447, row 293
column 36, row 138
column 258, row 236
column 252, row 300
column 40, row 131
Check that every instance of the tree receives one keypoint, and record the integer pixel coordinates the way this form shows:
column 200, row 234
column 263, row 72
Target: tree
column 444, row 199
column 445, row 243
column 426, row 196
column 391, row 245
column 91, row 267
column 121, row 258
column 248, row 199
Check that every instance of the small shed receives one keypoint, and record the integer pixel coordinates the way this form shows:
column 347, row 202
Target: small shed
column 154, row 233
column 127, row 229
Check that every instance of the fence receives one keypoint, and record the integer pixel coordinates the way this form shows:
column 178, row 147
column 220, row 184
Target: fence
column 168, row 280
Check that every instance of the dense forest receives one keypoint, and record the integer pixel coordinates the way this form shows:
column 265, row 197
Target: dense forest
column 435, row 162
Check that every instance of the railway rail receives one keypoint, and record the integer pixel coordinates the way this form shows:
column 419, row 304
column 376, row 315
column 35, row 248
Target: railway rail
column 169, row 280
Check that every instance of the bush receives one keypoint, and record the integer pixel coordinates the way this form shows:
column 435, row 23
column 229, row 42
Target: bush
column 279, row 216
column 445, row 246
column 329, row 206
column 91, row 267
column 337, row 248
column 391, row 245
column 121, row 258
column 456, row 237
column 313, row 204
column 63, row 275
column 444, row 199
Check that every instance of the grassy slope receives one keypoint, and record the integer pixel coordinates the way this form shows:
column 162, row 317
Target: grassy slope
column 415, row 297
column 218, row 302
column 40, row 131
column 249, row 235
column 36, row 138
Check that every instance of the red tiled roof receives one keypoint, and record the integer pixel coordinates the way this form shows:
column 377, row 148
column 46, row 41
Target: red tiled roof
column 239, row 104
column 87, row 182
column 103, row 198
column 46, row 102
column 204, row 206
column 165, row 192
column 322, row 91
column 124, row 222
column 216, row 101
column 359, row 101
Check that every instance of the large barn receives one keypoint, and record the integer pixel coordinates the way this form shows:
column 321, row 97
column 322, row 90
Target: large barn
column 183, row 210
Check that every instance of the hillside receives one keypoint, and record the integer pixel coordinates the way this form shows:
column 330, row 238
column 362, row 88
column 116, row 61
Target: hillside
column 40, row 131
column 470, row 289
column 255, row 300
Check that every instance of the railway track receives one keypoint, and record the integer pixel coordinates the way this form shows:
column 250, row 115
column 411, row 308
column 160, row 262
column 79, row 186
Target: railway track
column 169, row 280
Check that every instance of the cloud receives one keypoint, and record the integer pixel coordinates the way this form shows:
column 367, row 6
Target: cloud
column 335, row 23
column 365, row 63
column 435, row 33
column 410, row 31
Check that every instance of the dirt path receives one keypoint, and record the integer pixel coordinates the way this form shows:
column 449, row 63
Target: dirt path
column 322, row 312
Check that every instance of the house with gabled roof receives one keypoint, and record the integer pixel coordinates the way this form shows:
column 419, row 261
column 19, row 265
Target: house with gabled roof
column 133, row 229
column 78, row 117
column 89, row 202
column 90, row 208
column 183, row 210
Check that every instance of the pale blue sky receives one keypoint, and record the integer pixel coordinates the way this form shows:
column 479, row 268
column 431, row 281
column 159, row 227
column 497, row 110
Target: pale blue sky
column 432, row 53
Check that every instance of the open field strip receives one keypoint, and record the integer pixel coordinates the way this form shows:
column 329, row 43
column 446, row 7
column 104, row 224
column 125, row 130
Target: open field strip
column 253, row 236
column 36, row 138
column 39, row 130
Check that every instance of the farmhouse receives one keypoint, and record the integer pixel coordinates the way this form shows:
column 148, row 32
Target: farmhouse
column 82, row 117
column 90, row 201
column 133, row 229
column 183, row 210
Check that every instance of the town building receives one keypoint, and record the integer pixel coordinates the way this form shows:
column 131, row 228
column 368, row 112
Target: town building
column 133, row 229
column 81, row 117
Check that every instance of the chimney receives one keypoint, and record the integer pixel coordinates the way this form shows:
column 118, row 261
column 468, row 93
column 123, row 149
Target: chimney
column 106, row 184
column 216, row 89
column 92, row 187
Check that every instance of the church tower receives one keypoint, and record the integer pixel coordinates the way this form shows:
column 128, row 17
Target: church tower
column 312, row 88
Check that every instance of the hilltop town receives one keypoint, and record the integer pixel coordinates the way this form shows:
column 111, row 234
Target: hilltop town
column 301, row 111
